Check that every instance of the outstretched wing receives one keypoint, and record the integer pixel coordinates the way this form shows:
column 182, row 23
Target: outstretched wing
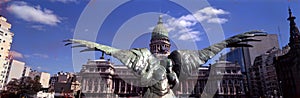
column 187, row 61
column 139, row 60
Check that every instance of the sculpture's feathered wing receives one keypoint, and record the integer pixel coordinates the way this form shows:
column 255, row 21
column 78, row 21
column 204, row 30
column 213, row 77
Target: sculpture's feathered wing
column 187, row 61
column 140, row 60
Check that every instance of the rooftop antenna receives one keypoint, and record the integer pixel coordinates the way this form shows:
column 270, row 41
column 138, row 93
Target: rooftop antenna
column 160, row 6
column 160, row 11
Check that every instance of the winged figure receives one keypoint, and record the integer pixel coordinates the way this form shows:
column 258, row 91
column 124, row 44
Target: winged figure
column 161, row 75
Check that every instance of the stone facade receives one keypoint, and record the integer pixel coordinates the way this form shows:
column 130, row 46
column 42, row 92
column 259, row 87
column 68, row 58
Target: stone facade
column 232, row 83
column 100, row 78
column 96, row 78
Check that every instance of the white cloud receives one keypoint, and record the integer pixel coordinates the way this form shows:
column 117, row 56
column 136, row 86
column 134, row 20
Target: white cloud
column 39, row 67
column 27, row 56
column 182, row 28
column 38, row 27
column 65, row 1
column 40, row 55
column 217, row 20
column 33, row 14
column 37, row 55
column 16, row 54
column 209, row 15
column 212, row 11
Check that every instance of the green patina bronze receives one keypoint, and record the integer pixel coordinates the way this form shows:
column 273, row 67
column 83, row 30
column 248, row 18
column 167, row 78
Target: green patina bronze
column 159, row 31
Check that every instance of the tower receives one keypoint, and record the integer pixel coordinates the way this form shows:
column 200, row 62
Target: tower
column 287, row 64
column 6, row 37
column 160, row 43
column 294, row 32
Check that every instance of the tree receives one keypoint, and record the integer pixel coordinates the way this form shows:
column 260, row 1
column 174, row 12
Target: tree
column 25, row 86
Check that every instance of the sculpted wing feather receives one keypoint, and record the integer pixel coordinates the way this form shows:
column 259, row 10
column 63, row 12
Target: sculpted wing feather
column 139, row 60
column 187, row 61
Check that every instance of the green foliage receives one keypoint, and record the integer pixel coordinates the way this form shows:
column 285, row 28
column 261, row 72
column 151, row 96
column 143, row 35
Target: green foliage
column 25, row 86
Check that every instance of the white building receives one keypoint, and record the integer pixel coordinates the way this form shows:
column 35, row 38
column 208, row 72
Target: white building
column 5, row 43
column 26, row 71
column 14, row 70
column 44, row 78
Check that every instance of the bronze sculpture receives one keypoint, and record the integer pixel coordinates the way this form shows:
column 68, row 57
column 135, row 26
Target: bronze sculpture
column 160, row 75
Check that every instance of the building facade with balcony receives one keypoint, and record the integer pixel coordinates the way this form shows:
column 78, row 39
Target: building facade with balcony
column 6, row 37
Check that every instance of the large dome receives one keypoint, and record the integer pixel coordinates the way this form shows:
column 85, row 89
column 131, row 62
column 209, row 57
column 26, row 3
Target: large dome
column 160, row 31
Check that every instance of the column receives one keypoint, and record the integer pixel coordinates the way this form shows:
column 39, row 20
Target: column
column 130, row 86
column 114, row 83
column 194, row 85
column 87, row 84
column 125, row 87
column 84, row 84
column 99, row 86
column 181, row 87
column 234, row 87
column 242, row 86
column 120, row 86
column 187, row 86
column 93, row 85
column 227, row 87
column 219, row 87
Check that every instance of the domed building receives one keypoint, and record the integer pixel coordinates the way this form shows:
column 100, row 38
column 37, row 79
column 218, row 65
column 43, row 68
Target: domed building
column 160, row 43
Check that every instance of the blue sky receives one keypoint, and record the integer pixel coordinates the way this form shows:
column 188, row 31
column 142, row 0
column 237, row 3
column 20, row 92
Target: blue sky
column 41, row 25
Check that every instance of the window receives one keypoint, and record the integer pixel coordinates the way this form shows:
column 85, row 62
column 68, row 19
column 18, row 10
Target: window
column 1, row 33
column 233, row 71
column 102, row 69
column 91, row 69
column 227, row 71
column 1, row 48
column 5, row 34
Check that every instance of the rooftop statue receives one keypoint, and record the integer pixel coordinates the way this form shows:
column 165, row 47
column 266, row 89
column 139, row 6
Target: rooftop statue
column 161, row 75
